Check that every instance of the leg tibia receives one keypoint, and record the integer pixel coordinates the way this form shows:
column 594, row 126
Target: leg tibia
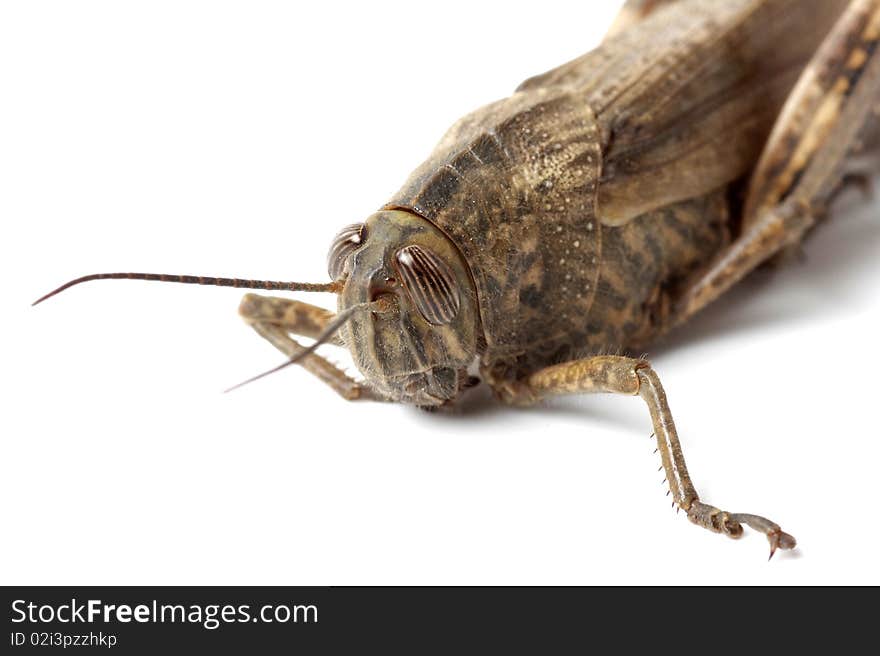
column 344, row 385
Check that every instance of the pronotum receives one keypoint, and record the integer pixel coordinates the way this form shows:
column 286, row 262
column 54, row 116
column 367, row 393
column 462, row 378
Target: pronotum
column 552, row 233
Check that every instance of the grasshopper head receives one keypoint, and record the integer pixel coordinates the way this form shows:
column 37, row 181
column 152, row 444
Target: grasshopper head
column 418, row 349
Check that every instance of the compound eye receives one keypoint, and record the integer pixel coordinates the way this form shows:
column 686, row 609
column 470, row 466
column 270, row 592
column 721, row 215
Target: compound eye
column 430, row 284
column 349, row 239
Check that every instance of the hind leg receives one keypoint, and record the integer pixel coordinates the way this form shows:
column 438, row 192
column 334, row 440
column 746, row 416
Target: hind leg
column 832, row 106
column 275, row 319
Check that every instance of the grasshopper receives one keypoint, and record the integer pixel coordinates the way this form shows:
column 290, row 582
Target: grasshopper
column 601, row 205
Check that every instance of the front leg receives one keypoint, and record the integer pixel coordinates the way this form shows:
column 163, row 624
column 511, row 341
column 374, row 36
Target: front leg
column 276, row 318
column 621, row 375
column 293, row 316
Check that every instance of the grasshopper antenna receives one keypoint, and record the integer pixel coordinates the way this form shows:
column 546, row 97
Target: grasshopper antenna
column 337, row 323
column 332, row 287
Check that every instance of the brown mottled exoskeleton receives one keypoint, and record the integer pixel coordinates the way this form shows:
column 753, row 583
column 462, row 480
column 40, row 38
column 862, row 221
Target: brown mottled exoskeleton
column 600, row 205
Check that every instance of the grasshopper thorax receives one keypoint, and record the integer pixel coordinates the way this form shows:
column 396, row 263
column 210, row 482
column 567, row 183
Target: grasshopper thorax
column 419, row 349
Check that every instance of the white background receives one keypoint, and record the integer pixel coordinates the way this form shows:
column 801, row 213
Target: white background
column 224, row 138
